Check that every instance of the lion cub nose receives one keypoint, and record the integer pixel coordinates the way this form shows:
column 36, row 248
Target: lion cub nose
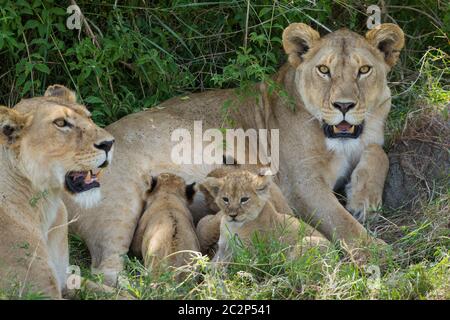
column 234, row 215
column 105, row 145
column 344, row 106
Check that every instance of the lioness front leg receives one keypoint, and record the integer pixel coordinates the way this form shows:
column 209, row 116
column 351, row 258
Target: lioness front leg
column 319, row 207
column 365, row 190
column 58, row 245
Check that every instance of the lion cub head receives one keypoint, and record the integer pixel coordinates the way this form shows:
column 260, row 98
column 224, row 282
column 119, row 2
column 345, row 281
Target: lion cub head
column 54, row 143
column 342, row 77
column 240, row 195
column 170, row 183
column 12, row 125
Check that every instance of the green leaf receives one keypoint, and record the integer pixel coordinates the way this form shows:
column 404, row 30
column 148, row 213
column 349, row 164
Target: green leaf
column 264, row 11
column 23, row 3
column 37, row 3
column 31, row 24
column 42, row 68
column 26, row 87
column 57, row 11
column 93, row 100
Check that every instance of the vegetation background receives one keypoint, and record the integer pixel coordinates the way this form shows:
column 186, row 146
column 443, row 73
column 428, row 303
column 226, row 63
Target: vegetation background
column 131, row 55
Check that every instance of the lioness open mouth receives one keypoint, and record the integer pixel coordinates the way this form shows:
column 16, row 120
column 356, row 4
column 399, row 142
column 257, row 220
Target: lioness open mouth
column 343, row 130
column 80, row 181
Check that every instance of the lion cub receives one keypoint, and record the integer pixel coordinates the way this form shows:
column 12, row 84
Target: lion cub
column 166, row 227
column 276, row 196
column 243, row 200
column 208, row 228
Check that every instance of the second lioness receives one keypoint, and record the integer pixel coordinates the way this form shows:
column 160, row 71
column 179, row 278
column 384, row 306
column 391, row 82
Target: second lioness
column 165, row 233
column 245, row 209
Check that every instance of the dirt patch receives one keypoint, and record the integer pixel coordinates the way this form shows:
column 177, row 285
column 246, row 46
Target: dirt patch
column 419, row 161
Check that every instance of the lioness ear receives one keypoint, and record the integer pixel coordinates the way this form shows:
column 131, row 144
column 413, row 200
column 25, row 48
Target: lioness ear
column 62, row 92
column 212, row 185
column 298, row 38
column 12, row 124
column 389, row 39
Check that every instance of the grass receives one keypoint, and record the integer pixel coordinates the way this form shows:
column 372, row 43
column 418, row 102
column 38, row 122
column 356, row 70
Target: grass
column 416, row 266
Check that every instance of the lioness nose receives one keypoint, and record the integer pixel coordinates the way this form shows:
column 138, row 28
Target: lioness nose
column 105, row 145
column 344, row 106
column 233, row 215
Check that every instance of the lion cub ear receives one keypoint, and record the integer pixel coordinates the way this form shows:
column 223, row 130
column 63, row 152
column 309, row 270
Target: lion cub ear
column 12, row 125
column 298, row 38
column 262, row 183
column 212, row 185
column 61, row 92
column 153, row 182
column 191, row 189
column 389, row 39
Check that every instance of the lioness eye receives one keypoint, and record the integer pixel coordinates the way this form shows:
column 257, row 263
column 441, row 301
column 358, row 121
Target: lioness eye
column 61, row 123
column 364, row 69
column 244, row 199
column 323, row 69
column 225, row 199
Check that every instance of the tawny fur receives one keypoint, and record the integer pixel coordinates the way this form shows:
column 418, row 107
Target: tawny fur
column 311, row 165
column 208, row 228
column 276, row 196
column 165, row 235
column 247, row 210
column 34, row 158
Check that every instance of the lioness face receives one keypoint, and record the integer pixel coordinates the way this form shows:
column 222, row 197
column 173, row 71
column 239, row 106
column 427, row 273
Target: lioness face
column 62, row 147
column 341, row 77
column 240, row 195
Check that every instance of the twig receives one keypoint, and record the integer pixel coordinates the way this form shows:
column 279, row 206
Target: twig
column 87, row 27
column 29, row 60
column 438, row 22
column 246, row 24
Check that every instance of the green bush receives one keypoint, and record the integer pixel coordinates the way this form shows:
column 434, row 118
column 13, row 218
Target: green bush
column 137, row 55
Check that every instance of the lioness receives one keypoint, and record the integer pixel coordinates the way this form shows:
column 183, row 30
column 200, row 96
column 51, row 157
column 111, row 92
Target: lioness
column 48, row 144
column 332, row 136
column 165, row 235
column 245, row 209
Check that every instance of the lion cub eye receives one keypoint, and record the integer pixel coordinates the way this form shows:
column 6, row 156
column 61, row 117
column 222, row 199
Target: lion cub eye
column 244, row 200
column 323, row 69
column 226, row 200
column 61, row 123
column 364, row 69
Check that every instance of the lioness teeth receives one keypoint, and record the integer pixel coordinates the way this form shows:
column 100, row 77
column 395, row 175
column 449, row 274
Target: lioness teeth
column 88, row 178
column 349, row 129
column 99, row 173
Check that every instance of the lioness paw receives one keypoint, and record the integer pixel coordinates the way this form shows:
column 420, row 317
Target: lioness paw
column 365, row 205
